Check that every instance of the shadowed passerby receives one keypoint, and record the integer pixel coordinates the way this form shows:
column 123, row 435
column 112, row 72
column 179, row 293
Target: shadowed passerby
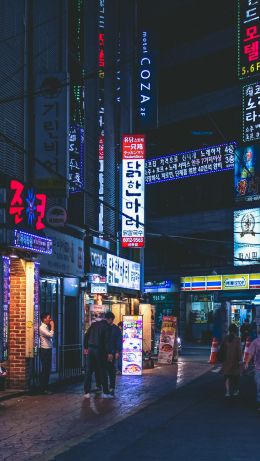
column 254, row 353
column 232, row 361
column 116, row 341
column 98, row 348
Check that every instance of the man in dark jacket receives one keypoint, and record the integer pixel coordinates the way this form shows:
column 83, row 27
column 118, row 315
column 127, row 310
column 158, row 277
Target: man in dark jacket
column 98, row 348
column 116, row 342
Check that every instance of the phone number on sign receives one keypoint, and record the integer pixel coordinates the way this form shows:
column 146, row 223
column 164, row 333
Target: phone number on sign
column 133, row 241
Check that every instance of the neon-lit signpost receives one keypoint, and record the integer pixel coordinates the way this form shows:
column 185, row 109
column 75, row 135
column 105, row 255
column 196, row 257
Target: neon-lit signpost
column 248, row 38
column 247, row 237
column 251, row 112
column 211, row 159
column 133, row 189
column 132, row 355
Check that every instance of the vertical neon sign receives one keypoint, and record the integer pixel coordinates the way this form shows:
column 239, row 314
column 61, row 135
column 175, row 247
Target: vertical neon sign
column 36, row 305
column 101, row 109
column 248, row 38
column 5, row 307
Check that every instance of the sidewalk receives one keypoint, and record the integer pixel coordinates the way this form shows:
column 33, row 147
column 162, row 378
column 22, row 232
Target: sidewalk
column 42, row 426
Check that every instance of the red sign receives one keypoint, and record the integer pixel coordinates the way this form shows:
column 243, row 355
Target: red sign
column 26, row 206
column 133, row 188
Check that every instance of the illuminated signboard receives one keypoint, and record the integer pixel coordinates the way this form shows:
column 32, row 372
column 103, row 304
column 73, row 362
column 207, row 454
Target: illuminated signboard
column 159, row 287
column 247, row 237
column 32, row 242
column 220, row 282
column 4, row 306
column 76, row 156
column 123, row 273
column 147, row 100
column 247, row 173
column 133, row 186
column 211, row 159
column 101, row 109
column 26, row 207
column 132, row 355
column 251, row 112
column 248, row 38
column 36, row 306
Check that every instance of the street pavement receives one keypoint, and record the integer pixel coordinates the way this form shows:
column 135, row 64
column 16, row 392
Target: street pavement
column 172, row 412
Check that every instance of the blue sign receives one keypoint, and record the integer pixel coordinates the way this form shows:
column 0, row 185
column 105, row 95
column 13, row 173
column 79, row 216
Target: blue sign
column 247, row 173
column 32, row 242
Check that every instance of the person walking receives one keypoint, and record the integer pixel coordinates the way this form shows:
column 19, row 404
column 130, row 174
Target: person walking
column 98, row 349
column 232, row 360
column 46, row 333
column 254, row 353
column 116, row 341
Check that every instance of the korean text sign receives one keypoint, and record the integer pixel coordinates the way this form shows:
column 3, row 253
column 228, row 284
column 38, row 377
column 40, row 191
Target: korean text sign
column 132, row 345
column 123, row 273
column 133, row 190
column 211, row 159
column 247, row 237
column 248, row 38
column 26, row 207
column 251, row 112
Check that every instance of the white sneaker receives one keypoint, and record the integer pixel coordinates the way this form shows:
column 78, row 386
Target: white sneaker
column 107, row 396
column 87, row 396
column 227, row 394
column 236, row 393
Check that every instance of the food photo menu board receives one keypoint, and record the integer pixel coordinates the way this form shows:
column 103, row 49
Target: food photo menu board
column 132, row 345
column 167, row 339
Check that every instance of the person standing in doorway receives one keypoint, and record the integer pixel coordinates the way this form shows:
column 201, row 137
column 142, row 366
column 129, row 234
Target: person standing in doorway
column 98, row 349
column 254, row 353
column 46, row 332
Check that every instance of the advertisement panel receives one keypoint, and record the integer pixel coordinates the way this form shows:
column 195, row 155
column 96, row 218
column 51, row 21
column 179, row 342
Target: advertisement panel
column 51, row 142
column 4, row 306
column 132, row 345
column 211, row 159
column 133, row 190
column 247, row 173
column 123, row 273
column 247, row 237
column 251, row 112
column 167, row 339
column 248, row 38
column 76, row 158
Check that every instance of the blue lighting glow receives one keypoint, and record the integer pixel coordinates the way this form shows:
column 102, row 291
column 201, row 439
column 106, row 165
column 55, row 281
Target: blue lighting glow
column 32, row 242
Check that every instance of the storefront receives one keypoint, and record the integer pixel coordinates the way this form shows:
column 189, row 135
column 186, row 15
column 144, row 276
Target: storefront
column 113, row 284
column 60, row 294
column 163, row 299
column 210, row 303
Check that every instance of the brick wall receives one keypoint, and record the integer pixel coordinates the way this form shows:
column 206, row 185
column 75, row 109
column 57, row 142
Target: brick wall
column 18, row 366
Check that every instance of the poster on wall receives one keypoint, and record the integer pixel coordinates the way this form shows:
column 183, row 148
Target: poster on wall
column 247, row 173
column 97, row 312
column 248, row 38
column 247, row 237
column 133, row 190
column 132, row 354
column 167, row 339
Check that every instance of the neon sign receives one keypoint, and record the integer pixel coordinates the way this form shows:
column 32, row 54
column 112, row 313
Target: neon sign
column 147, row 110
column 26, row 205
column 211, row 159
column 248, row 38
column 251, row 112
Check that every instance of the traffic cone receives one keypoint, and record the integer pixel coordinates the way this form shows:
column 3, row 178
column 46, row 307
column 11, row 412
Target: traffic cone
column 246, row 351
column 214, row 351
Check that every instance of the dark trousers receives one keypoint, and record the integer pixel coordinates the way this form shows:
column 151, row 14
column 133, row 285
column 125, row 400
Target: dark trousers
column 111, row 369
column 45, row 358
column 96, row 363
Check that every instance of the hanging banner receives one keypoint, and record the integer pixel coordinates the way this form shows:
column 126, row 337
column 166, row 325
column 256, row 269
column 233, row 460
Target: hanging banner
column 133, row 190
column 132, row 355
column 167, row 339
column 248, row 38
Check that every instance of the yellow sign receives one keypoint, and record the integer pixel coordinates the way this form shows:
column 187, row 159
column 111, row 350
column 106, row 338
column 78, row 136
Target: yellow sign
column 235, row 281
